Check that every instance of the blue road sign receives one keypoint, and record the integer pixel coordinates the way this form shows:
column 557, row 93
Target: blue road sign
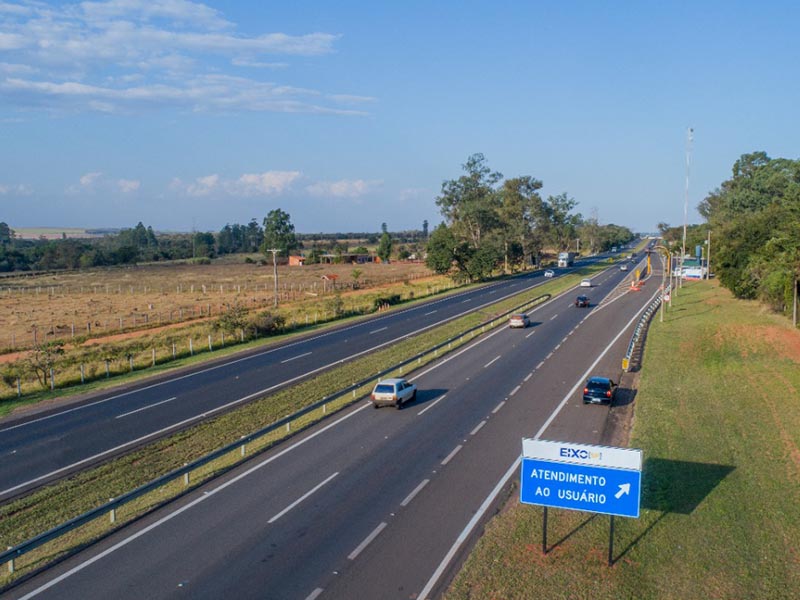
column 580, row 487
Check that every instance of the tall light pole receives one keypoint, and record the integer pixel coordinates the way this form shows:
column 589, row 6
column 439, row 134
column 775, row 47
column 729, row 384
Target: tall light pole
column 689, row 140
column 274, row 274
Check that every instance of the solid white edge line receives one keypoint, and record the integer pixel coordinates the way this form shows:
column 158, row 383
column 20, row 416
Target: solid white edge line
column 467, row 531
column 478, row 428
column 145, row 407
column 172, row 515
column 450, row 456
column 301, row 498
column 414, row 492
column 354, row 554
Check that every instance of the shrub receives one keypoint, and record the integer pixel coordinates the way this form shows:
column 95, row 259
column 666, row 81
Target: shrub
column 265, row 323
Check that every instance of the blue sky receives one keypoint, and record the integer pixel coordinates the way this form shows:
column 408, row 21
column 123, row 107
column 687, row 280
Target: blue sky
column 350, row 114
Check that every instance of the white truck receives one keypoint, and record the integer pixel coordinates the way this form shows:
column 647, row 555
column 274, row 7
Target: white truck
column 565, row 259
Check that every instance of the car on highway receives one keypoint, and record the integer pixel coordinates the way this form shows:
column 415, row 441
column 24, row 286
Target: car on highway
column 393, row 392
column 599, row 390
column 549, row 273
column 520, row 320
column 582, row 302
column 586, row 283
column 623, row 267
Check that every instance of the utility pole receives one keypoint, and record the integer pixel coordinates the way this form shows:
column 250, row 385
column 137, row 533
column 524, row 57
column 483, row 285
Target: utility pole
column 689, row 140
column 274, row 273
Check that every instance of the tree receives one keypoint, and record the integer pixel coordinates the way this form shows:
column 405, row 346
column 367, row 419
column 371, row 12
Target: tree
column 385, row 247
column 384, row 228
column 563, row 222
column 754, row 216
column 6, row 234
column 425, row 229
column 42, row 358
column 469, row 203
column 441, row 250
column 524, row 218
column 279, row 232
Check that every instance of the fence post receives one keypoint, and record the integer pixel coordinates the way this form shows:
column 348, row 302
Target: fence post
column 191, row 348
column 108, row 374
column 173, row 350
column 52, row 379
column 19, row 388
column 243, row 450
column 223, row 337
column 10, row 564
column 130, row 362
column 112, row 515
column 82, row 376
column 154, row 357
column 241, row 333
column 209, row 344
column 186, row 477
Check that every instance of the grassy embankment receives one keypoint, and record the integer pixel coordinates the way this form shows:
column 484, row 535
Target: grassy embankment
column 55, row 504
column 718, row 418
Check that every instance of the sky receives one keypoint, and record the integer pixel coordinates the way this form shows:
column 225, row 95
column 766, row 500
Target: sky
column 187, row 115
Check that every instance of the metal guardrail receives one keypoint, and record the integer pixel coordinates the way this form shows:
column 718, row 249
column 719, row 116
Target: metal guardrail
column 110, row 507
column 640, row 328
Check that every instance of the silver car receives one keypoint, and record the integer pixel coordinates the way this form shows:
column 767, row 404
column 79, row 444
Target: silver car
column 393, row 392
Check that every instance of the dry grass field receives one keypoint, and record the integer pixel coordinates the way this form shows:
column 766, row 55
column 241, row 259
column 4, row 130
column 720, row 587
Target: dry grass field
column 120, row 321
column 101, row 302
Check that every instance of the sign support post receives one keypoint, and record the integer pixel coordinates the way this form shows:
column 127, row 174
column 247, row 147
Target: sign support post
column 544, row 531
column 611, row 543
column 597, row 479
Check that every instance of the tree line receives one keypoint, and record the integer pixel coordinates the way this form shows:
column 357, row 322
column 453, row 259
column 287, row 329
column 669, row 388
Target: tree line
column 492, row 223
column 754, row 219
column 142, row 244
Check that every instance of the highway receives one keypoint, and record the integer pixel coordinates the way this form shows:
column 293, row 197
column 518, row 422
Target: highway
column 374, row 503
column 41, row 448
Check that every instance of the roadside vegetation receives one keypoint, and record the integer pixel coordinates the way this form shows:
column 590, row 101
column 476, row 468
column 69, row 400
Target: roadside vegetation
column 718, row 419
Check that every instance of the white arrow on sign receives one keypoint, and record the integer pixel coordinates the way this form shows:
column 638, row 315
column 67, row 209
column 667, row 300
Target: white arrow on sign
column 625, row 488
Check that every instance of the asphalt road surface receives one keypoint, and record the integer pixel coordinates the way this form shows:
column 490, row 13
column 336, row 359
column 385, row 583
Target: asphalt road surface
column 37, row 449
column 374, row 503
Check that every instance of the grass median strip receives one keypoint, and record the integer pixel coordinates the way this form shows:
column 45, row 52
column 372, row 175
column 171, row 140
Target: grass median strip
column 24, row 518
column 718, row 418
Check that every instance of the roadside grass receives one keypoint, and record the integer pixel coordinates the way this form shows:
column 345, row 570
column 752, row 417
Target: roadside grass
column 47, row 507
column 718, row 418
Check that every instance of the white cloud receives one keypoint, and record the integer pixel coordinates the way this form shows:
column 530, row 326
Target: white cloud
column 264, row 184
column 345, row 188
column 128, row 185
column 17, row 189
column 89, row 179
column 130, row 55
column 268, row 183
